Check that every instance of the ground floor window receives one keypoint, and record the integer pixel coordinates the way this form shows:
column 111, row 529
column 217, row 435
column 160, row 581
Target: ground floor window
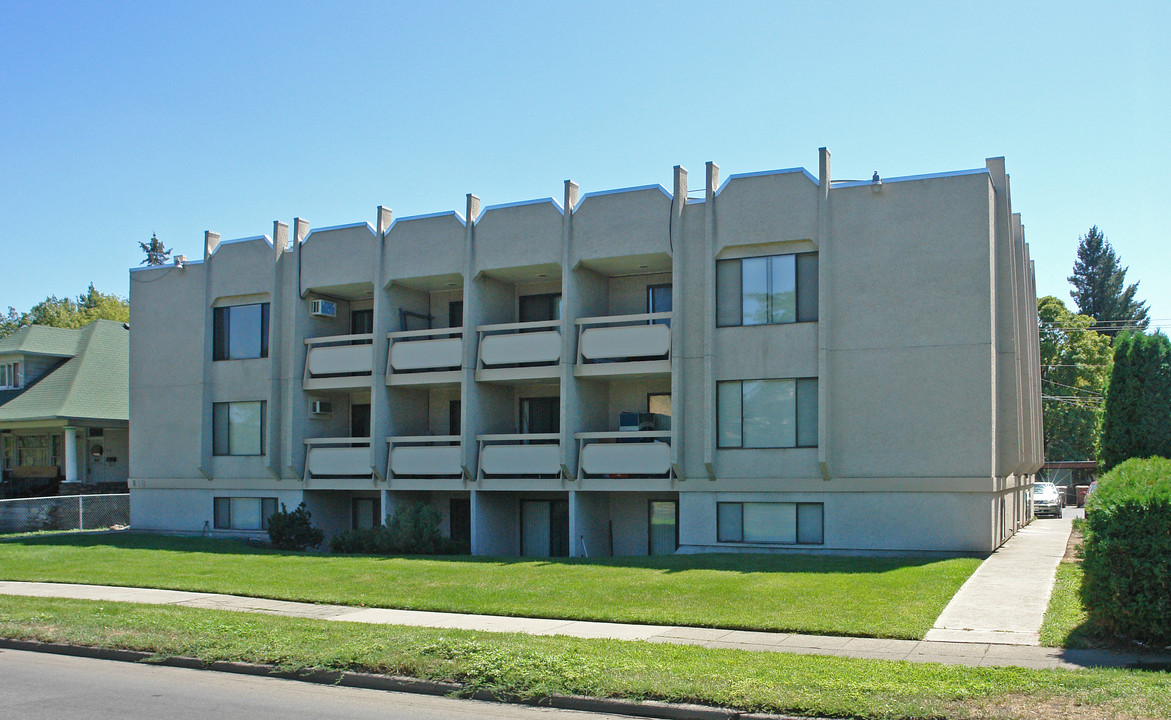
column 244, row 513
column 770, row 522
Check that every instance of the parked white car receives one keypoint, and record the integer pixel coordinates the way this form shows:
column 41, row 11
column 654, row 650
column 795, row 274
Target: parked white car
column 1047, row 499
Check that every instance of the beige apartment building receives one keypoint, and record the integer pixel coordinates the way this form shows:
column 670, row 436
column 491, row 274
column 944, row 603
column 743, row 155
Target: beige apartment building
column 780, row 362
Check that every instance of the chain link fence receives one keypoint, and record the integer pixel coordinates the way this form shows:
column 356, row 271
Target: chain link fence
column 64, row 512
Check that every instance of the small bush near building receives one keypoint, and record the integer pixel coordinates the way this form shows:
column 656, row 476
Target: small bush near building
column 412, row 530
column 1127, row 564
column 293, row 530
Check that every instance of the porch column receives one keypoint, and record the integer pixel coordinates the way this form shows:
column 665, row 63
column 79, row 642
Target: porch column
column 71, row 455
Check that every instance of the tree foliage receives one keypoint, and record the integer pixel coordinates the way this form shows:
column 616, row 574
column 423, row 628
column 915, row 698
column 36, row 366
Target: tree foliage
column 1075, row 364
column 67, row 312
column 156, row 252
column 1136, row 421
column 1098, row 281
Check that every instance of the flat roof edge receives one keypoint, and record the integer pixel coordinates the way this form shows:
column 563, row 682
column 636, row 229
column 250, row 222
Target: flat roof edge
column 910, row 178
column 762, row 173
column 521, row 203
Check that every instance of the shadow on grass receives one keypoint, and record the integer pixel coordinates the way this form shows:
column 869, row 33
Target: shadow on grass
column 714, row 562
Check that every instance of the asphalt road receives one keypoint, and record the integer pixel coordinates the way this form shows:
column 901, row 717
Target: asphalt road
column 40, row 686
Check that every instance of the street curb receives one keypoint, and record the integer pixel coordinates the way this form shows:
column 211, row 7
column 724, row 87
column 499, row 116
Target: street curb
column 391, row 683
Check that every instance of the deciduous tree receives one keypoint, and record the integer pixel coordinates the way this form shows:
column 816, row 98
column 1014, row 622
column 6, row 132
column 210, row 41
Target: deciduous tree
column 1075, row 364
column 67, row 312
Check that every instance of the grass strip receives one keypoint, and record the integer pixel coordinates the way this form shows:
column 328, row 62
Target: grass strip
column 868, row 597
column 1066, row 620
column 535, row 666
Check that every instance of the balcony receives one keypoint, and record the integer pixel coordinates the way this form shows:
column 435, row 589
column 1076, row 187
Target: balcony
column 424, row 456
column 624, row 346
column 339, row 362
column 520, row 455
column 518, row 352
column 425, row 357
column 624, row 454
column 337, row 459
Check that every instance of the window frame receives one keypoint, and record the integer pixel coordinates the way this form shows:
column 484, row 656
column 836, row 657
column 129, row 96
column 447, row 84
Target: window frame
column 725, row 535
column 263, row 421
column 11, row 380
column 797, row 424
column 769, row 263
column 222, row 331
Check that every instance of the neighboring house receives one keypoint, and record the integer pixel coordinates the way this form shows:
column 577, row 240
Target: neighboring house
column 64, row 409
column 780, row 362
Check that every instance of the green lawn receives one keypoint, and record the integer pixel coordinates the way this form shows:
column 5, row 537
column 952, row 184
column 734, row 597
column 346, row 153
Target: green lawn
column 535, row 666
column 872, row 597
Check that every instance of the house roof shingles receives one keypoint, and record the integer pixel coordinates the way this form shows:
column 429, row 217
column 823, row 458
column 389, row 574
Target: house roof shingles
column 91, row 384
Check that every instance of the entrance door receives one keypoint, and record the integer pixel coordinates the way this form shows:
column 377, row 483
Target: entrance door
column 364, row 512
column 544, row 528
column 664, row 527
column 461, row 523
column 360, row 420
column 361, row 322
column 659, row 300
column 540, row 415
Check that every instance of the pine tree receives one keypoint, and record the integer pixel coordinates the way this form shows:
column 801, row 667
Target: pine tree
column 1136, row 420
column 1098, row 280
column 156, row 252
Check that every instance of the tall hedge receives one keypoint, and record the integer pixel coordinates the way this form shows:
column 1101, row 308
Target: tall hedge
column 1136, row 419
column 1127, row 587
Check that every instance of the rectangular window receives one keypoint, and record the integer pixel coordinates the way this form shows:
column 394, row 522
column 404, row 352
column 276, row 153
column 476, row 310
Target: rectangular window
column 766, row 413
column 770, row 290
column 10, row 375
column 240, row 332
column 455, row 314
column 783, row 523
column 243, row 513
column 238, row 428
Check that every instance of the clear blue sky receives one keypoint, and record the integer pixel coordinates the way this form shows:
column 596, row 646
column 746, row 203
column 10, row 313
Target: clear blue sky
column 118, row 121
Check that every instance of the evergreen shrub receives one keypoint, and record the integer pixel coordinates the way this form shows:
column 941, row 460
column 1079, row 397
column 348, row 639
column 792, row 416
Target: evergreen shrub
column 293, row 530
column 1127, row 587
column 412, row 530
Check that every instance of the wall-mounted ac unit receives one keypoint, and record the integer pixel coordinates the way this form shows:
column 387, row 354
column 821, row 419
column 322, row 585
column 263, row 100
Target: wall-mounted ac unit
column 323, row 308
column 321, row 407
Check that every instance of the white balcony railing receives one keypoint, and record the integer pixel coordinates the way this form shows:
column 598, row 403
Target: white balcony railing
column 424, row 456
column 623, row 344
column 527, row 344
column 414, row 355
column 339, row 361
column 520, row 455
column 337, row 458
column 624, row 454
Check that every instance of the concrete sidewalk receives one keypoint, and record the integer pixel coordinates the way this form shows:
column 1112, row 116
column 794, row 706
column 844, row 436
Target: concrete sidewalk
column 1005, row 600
column 950, row 653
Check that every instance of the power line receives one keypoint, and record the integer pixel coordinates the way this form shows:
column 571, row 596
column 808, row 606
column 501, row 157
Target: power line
column 1072, row 387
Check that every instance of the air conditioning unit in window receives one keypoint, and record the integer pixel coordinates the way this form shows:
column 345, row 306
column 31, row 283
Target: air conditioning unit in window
column 323, row 308
column 321, row 407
